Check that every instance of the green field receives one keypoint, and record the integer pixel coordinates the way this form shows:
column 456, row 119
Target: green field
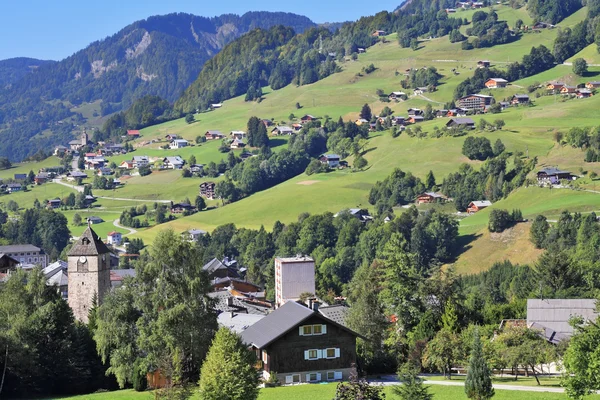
column 327, row 392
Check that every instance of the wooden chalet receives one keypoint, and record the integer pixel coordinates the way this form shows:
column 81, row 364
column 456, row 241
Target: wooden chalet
column 555, row 87
column 178, row 208
column 483, row 64
column 397, row 96
column 467, row 123
column 133, row 134
column 207, row 189
column 267, row 122
column 379, row 33
column 431, row 197
column 42, row 177
column 552, row 176
column 583, row 93
column 237, row 144
column 282, row 130
column 238, row 135
column 414, row 119
column 520, row 99
column 302, row 345
column 7, row 263
column 593, row 85
column 565, row 90
column 495, row 83
column 214, row 135
column 456, row 112
column 476, row 206
column 296, row 127
column 307, row 118
column 414, row 111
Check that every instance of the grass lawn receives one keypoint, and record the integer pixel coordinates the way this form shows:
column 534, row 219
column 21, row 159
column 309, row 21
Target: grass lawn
column 327, row 392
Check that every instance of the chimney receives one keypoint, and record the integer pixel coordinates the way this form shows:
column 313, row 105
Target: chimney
column 315, row 306
column 230, row 301
column 232, row 314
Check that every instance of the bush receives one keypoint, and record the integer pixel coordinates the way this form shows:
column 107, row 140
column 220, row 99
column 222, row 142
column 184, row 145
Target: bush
column 145, row 170
column 477, row 148
column 500, row 220
column 140, row 383
column 315, row 167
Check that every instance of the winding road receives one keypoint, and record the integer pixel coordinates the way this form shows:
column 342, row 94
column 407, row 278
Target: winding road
column 117, row 224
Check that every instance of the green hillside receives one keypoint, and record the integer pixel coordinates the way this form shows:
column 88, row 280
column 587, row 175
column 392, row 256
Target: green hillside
column 528, row 130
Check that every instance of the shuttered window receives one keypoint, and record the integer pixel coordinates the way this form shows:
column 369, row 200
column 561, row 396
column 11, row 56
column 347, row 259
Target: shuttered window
column 295, row 378
column 338, row 376
column 310, row 330
column 314, row 377
column 331, row 352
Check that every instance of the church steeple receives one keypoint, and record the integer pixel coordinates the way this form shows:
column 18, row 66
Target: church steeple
column 89, row 273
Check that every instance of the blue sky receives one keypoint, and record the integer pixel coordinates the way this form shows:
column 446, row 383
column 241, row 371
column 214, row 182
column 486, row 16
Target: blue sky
column 56, row 29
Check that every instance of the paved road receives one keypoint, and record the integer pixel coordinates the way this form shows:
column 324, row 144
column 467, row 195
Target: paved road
column 117, row 222
column 391, row 380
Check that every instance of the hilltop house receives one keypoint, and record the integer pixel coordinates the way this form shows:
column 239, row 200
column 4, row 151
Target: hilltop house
column 331, row 160
column 593, row 85
column 300, row 345
column 170, row 137
column 431, row 197
column 14, row 187
column 475, row 102
column 237, row 144
column 193, row 234
column 307, row 118
column 461, row 123
column 214, row 135
column 396, row 96
column 495, row 83
column 555, row 87
column 414, row 111
column 568, row 90
column 483, row 64
column 282, row 130
column 40, row 178
column 238, row 135
column 133, row 134
column 583, row 93
column 378, row 33
column 174, row 162
column 476, row 206
column 54, row 203
column 140, row 161
column 520, row 99
column 179, row 208
column 553, row 176
column 207, row 189
column 179, row 144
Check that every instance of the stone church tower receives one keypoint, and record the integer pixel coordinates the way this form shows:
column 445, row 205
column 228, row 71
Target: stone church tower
column 89, row 273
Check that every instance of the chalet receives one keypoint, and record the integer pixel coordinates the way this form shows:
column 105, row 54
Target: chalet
column 457, row 112
column 520, row 99
column 397, row 96
column 217, row 269
column 40, row 178
column 115, row 148
column 504, row 104
column 196, row 168
column 7, row 264
column 302, row 345
column 583, row 93
column 416, row 119
column 552, row 176
column 74, row 175
column 238, row 135
column 133, row 134
column 178, row 208
column 237, row 144
column 14, row 187
column 566, row 90
column 126, row 165
column 331, row 160
column 179, row 144
column 207, row 189
column 95, row 162
column 464, row 4
column 414, row 111
column 216, row 105
column 378, row 33
column 307, row 118
column 214, row 135
column 420, row 90
column 441, row 113
column 555, row 87
column 95, row 220
column 105, row 171
column 476, row 206
column 193, row 235
column 20, row 177
column 61, row 150
column 593, row 85
column 372, row 126
column 56, row 276
column 175, row 162
column 282, row 130
column 431, row 197
column 450, row 10
column 475, row 102
column 267, row 122
column 495, row 83
column 54, row 203
column 542, row 25
column 477, row 4
column 360, row 214
column 483, row 64
column 361, row 121
column 467, row 123
column 140, row 161
column 396, row 120
column 171, row 137
column 114, row 238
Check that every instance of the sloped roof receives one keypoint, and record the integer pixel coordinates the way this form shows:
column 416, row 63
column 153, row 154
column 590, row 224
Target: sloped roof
column 238, row 322
column 336, row 313
column 213, row 265
column 554, row 314
column 482, row 203
column 88, row 244
column 463, row 121
column 18, row 248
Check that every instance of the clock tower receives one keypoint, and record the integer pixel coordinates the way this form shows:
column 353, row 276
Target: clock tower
column 89, row 273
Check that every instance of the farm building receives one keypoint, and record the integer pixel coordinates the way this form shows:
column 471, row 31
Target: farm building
column 476, row 206
column 495, row 83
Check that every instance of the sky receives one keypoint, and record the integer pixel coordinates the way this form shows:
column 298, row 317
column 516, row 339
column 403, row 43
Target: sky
column 53, row 30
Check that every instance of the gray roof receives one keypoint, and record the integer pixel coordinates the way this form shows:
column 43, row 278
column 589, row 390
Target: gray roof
column 238, row 322
column 224, row 304
column 337, row 313
column 549, row 334
column 18, row 248
column 463, row 121
column 552, row 171
column 554, row 314
column 276, row 324
column 213, row 265
column 56, row 274
column 88, row 244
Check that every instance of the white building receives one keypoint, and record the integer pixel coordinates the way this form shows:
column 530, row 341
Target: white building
column 293, row 276
column 26, row 254
column 114, row 238
column 179, row 143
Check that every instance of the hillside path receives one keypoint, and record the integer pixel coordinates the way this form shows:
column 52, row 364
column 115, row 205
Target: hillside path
column 428, row 99
column 117, row 223
column 391, row 380
column 80, row 190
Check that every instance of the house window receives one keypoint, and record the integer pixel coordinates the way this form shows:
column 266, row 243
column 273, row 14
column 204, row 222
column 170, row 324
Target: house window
column 330, row 353
column 314, row 377
column 307, row 330
column 334, row 375
column 317, row 330
column 313, row 354
column 289, row 379
column 310, row 330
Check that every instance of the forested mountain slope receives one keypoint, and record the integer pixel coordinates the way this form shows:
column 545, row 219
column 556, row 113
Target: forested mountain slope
column 13, row 69
column 159, row 56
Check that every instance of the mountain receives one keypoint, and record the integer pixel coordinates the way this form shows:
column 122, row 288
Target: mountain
column 160, row 56
column 13, row 69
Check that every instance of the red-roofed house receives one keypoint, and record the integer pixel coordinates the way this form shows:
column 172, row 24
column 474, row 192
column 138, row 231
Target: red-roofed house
column 133, row 133
column 114, row 238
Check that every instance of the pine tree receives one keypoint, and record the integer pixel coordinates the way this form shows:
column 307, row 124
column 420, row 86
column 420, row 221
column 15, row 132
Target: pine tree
column 412, row 387
column 228, row 372
column 430, row 180
column 478, row 385
column 365, row 113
